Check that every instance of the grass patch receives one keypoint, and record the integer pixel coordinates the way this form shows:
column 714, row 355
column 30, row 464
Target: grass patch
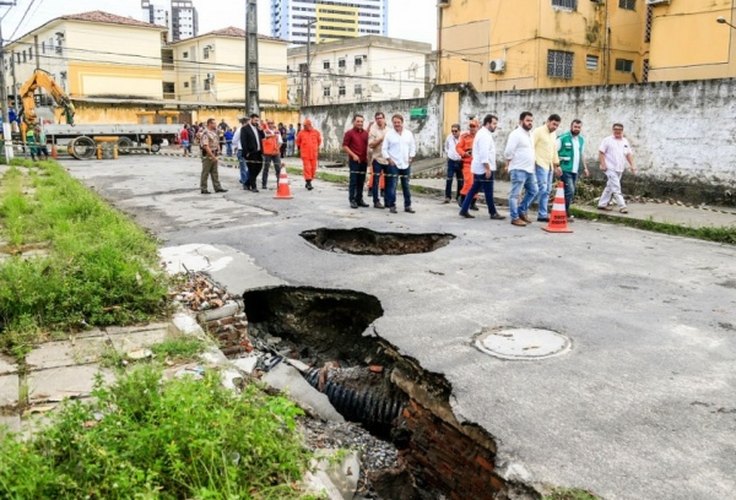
column 179, row 348
column 717, row 234
column 146, row 438
column 569, row 494
column 101, row 268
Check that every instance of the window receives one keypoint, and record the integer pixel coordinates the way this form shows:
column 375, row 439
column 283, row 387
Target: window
column 186, row 85
column 207, row 84
column 193, row 81
column 341, row 90
column 206, row 53
column 341, row 62
column 559, row 64
column 624, row 65
column 358, row 90
column 627, row 4
column 185, row 55
column 325, row 64
column 358, row 61
column 591, row 63
column 566, row 4
column 43, row 47
column 30, row 53
column 25, row 56
column 326, row 92
column 17, row 57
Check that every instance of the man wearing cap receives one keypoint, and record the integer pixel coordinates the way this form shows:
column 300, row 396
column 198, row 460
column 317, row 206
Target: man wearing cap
column 308, row 141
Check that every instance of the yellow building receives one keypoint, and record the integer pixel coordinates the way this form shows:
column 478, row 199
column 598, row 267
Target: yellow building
column 513, row 44
column 91, row 54
column 688, row 44
column 210, row 68
column 335, row 22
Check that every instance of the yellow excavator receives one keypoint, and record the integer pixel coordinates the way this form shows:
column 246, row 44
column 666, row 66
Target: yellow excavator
column 42, row 79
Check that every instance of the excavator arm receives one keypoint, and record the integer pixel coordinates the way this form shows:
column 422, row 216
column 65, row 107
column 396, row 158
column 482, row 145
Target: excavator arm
column 43, row 79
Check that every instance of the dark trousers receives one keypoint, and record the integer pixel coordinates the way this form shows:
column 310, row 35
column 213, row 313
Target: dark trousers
column 480, row 182
column 255, row 164
column 357, row 180
column 377, row 169
column 454, row 171
column 569, row 179
column 267, row 161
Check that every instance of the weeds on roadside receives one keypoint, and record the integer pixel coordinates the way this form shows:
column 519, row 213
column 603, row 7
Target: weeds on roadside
column 145, row 438
column 101, row 268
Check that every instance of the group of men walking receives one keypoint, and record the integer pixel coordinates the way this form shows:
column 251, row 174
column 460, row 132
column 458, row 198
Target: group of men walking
column 383, row 154
column 533, row 159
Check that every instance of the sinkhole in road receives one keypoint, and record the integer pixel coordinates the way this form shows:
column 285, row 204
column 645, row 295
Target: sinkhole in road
column 363, row 241
column 369, row 382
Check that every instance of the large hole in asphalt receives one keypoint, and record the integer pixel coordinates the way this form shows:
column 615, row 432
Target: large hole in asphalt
column 363, row 241
column 369, row 382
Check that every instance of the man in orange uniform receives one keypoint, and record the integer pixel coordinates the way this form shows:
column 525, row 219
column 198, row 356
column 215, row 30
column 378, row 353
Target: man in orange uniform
column 271, row 152
column 465, row 150
column 308, row 140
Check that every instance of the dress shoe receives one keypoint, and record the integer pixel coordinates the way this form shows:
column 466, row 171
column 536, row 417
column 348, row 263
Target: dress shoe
column 474, row 206
column 378, row 204
column 264, row 188
column 353, row 204
column 542, row 219
column 498, row 216
column 518, row 222
column 255, row 190
column 205, row 192
column 447, row 200
column 361, row 203
column 409, row 210
column 467, row 215
column 221, row 190
column 392, row 210
column 525, row 218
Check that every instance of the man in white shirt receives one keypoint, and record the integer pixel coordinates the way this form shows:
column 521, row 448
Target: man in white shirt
column 454, row 162
column 482, row 167
column 614, row 153
column 238, row 148
column 519, row 154
column 399, row 148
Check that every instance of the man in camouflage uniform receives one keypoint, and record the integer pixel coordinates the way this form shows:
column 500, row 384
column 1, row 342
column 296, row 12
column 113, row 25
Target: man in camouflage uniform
column 210, row 144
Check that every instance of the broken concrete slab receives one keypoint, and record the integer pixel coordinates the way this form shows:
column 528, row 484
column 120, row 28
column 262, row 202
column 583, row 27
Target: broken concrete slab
column 7, row 365
column 247, row 363
column 67, row 353
column 234, row 270
column 334, row 474
column 56, row 384
column 9, row 389
column 184, row 324
column 286, row 378
column 10, row 422
column 137, row 340
column 118, row 330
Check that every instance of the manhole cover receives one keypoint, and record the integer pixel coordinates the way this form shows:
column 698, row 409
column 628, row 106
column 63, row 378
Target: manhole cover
column 522, row 343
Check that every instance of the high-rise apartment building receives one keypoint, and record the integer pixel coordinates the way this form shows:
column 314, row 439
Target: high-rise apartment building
column 180, row 17
column 331, row 19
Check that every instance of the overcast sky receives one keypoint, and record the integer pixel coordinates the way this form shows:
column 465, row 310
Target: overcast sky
column 409, row 19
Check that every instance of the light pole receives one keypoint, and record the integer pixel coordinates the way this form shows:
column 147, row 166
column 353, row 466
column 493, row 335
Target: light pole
column 309, row 60
column 722, row 20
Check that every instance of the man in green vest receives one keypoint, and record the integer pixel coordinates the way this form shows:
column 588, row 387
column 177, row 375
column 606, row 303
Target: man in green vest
column 570, row 147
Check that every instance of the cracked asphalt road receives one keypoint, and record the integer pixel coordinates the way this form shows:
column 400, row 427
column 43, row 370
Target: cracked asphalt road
column 643, row 405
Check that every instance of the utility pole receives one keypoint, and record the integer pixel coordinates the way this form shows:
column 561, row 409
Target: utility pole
column 251, row 57
column 7, row 128
column 309, row 61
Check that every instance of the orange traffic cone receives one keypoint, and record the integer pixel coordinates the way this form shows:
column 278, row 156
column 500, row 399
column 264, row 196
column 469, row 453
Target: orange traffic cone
column 283, row 191
column 558, row 216
column 54, row 153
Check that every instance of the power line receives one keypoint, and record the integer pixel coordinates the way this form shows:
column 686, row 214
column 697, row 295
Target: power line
column 23, row 18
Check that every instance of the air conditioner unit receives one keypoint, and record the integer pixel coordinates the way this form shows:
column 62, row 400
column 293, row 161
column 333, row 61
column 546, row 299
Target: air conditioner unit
column 657, row 2
column 443, row 3
column 497, row 66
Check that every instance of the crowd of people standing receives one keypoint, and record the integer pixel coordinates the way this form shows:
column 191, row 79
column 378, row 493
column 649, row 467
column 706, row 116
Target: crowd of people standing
column 380, row 156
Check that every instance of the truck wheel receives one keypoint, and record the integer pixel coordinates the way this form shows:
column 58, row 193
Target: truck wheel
column 155, row 148
column 125, row 144
column 82, row 147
